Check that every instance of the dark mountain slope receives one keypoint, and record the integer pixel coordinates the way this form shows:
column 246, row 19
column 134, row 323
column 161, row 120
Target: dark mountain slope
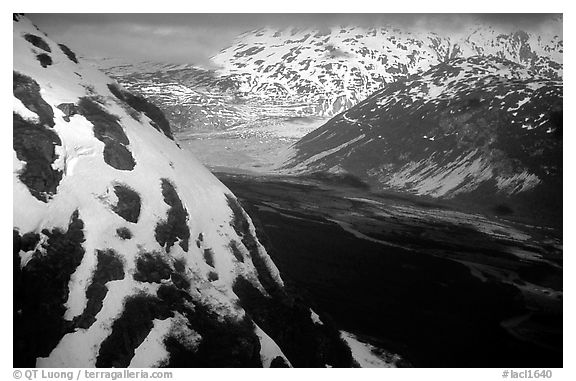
column 481, row 129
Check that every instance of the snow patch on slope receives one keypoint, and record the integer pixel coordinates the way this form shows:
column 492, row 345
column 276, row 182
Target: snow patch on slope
column 87, row 186
column 368, row 356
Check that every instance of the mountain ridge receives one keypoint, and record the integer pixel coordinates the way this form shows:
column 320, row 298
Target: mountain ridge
column 479, row 125
column 271, row 72
column 127, row 252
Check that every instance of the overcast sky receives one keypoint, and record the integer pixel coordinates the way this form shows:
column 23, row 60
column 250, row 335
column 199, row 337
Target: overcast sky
column 194, row 38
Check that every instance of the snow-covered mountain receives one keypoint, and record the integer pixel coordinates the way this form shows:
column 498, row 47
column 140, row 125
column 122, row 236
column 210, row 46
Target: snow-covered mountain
column 192, row 97
column 481, row 128
column 333, row 69
column 200, row 99
column 276, row 73
column 127, row 251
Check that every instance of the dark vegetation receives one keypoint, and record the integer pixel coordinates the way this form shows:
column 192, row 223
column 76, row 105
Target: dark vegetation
column 209, row 257
column 69, row 109
column 130, row 330
column 213, row 276
column 278, row 362
column 180, row 265
column 44, row 59
column 37, row 42
column 176, row 225
column 27, row 91
column 29, row 241
column 109, row 267
column 152, row 268
column 557, row 122
column 432, row 311
column 34, row 144
column 69, row 53
column 179, row 279
column 236, row 251
column 242, row 228
column 225, row 343
column 285, row 317
column 129, row 204
column 179, row 276
column 139, row 103
column 124, row 233
column 41, row 289
column 287, row 321
column 108, row 130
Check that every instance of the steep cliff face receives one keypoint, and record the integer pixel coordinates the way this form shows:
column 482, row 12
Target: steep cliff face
column 127, row 251
column 481, row 128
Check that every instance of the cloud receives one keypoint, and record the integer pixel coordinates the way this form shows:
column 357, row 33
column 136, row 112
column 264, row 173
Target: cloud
column 194, row 38
column 137, row 41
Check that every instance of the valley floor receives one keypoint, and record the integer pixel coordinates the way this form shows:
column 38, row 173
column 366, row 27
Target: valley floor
column 410, row 281
column 427, row 285
column 259, row 147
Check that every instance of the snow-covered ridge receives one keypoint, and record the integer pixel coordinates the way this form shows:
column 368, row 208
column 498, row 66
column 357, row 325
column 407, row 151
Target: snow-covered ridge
column 343, row 65
column 128, row 252
column 464, row 125
column 278, row 73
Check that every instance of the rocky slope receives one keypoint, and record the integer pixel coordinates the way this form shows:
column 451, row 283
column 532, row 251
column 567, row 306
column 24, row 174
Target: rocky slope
column 481, row 129
column 127, row 251
column 278, row 73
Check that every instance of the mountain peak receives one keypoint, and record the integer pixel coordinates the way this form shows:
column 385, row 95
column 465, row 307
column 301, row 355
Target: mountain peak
column 481, row 127
column 127, row 251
